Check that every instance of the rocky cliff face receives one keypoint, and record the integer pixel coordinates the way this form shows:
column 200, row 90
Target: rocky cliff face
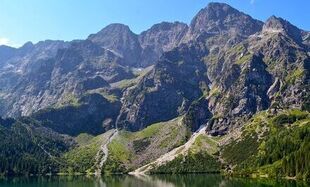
column 219, row 18
column 263, row 72
column 176, row 80
column 120, row 40
column 220, row 70
column 160, row 38
column 37, row 76
column 70, row 73
column 247, row 67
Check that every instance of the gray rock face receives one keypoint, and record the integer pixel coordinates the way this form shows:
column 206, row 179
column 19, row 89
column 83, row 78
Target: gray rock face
column 140, row 50
column 121, row 41
column 167, row 91
column 220, row 70
column 72, row 71
column 219, row 18
column 242, row 59
column 37, row 76
column 160, row 38
column 275, row 24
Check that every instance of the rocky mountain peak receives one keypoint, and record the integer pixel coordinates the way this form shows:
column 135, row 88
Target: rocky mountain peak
column 114, row 28
column 119, row 39
column 160, row 38
column 217, row 11
column 220, row 18
column 27, row 46
column 114, row 31
column 278, row 25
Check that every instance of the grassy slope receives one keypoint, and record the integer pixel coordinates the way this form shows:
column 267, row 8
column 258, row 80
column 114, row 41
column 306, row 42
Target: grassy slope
column 131, row 150
column 128, row 150
column 272, row 146
column 126, row 83
column 82, row 158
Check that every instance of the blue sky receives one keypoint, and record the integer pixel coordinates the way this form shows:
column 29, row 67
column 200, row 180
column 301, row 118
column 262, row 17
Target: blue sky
column 35, row 20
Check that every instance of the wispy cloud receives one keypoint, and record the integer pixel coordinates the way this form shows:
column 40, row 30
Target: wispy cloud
column 252, row 2
column 4, row 41
column 8, row 42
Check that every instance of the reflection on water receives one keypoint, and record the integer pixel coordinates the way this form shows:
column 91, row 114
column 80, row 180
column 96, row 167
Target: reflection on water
column 143, row 181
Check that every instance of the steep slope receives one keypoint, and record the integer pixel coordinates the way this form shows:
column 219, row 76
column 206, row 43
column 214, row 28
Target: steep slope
column 28, row 64
column 219, row 19
column 166, row 91
column 125, row 150
column 160, row 38
column 29, row 148
column 74, row 70
column 263, row 71
column 271, row 146
column 156, row 166
column 183, row 75
column 93, row 114
column 120, row 40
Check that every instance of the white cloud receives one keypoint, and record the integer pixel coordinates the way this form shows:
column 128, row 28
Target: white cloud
column 4, row 41
column 8, row 42
column 252, row 2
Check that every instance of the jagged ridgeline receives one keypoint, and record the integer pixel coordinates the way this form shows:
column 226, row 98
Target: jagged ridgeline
column 120, row 102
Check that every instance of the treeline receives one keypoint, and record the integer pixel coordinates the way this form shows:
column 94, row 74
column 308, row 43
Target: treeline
column 292, row 147
column 200, row 162
column 283, row 150
column 23, row 150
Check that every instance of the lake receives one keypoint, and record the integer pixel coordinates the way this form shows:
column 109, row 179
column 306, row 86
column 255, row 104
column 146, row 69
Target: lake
column 192, row 180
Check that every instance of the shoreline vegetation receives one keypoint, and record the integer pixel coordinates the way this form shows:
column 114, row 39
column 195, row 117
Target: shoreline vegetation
column 268, row 146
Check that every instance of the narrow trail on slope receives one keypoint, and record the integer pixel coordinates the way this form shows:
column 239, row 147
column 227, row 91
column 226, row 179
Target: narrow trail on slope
column 103, row 153
column 181, row 150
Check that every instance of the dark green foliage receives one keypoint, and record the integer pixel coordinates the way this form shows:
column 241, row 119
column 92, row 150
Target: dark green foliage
column 292, row 148
column 289, row 118
column 238, row 152
column 7, row 122
column 141, row 144
column 81, row 159
column 200, row 162
column 27, row 148
column 284, row 150
column 114, row 166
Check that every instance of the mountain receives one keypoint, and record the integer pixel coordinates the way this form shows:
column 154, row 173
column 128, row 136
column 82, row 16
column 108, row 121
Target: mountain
column 160, row 38
column 121, row 41
column 211, row 96
column 192, row 64
column 219, row 18
column 166, row 91
column 45, row 73
column 140, row 50
column 6, row 52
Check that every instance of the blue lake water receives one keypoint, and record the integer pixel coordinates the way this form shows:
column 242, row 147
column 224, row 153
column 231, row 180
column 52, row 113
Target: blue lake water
column 197, row 180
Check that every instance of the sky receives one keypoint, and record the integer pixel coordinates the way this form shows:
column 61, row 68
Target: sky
column 36, row 20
